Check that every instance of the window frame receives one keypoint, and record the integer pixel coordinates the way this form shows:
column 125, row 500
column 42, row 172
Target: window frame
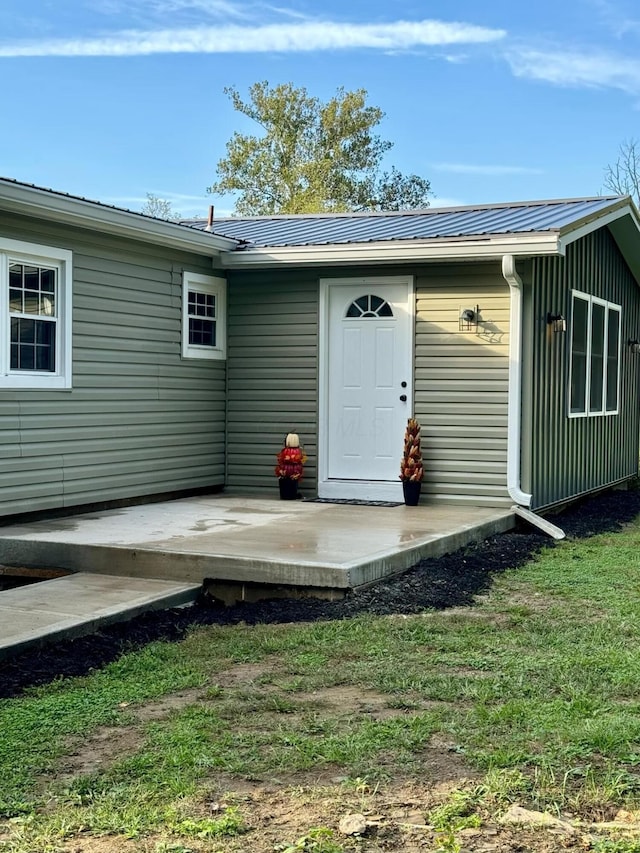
column 212, row 286
column 609, row 307
column 49, row 257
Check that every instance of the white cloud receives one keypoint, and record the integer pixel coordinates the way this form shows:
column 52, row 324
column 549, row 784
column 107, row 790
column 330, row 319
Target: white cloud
column 161, row 8
column 488, row 170
column 615, row 18
column 285, row 38
column 590, row 69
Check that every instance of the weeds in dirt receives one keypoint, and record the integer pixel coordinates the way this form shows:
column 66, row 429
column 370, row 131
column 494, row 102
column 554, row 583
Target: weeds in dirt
column 318, row 840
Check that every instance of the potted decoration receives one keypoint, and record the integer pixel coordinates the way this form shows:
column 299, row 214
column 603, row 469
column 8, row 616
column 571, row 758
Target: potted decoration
column 289, row 469
column 411, row 468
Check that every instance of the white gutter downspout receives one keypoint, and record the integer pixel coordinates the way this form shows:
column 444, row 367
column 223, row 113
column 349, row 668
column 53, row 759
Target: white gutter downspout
column 514, row 416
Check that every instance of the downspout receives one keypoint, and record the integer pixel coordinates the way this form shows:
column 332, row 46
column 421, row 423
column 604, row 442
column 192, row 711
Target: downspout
column 514, row 412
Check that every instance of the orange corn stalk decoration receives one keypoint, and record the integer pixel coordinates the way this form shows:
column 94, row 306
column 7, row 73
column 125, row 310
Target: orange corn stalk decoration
column 411, row 467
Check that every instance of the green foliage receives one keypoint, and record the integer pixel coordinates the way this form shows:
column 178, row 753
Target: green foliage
column 318, row 840
column 228, row 824
column 312, row 156
column 458, row 812
column 620, row 845
column 34, row 726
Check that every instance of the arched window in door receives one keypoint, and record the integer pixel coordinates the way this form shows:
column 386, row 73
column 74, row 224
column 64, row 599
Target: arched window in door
column 369, row 306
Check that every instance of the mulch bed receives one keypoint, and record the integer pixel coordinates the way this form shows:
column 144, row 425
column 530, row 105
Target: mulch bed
column 450, row 581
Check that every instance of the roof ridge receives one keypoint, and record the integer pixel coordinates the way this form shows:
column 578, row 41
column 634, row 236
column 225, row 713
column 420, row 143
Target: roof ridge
column 424, row 211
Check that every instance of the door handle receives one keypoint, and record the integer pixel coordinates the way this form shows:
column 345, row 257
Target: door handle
column 403, row 398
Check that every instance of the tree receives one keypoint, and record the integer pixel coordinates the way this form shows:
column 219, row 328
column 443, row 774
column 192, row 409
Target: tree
column 312, row 157
column 623, row 177
column 161, row 208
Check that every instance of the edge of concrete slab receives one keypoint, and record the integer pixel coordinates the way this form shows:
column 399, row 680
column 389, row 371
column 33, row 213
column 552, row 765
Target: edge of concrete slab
column 397, row 562
column 196, row 567
column 67, row 626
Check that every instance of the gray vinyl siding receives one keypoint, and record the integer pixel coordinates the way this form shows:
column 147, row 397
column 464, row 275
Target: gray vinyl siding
column 571, row 456
column 272, row 386
column 139, row 420
column 461, row 384
column 460, row 378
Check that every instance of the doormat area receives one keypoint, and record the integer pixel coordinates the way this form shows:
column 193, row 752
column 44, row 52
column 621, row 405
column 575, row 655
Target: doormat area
column 352, row 502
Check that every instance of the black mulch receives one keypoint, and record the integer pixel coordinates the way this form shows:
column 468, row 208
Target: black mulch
column 449, row 581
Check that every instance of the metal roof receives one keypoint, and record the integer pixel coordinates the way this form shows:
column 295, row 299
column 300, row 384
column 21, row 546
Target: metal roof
column 432, row 223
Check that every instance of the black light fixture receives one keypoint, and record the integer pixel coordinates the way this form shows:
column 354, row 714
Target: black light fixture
column 469, row 318
column 557, row 322
column 634, row 345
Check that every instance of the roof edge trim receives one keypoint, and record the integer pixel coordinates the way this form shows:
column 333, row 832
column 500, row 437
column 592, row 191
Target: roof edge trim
column 397, row 251
column 34, row 201
column 577, row 230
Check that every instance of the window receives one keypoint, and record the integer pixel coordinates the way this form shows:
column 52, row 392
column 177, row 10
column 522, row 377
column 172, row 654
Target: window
column 595, row 356
column 203, row 316
column 35, row 316
column 369, row 306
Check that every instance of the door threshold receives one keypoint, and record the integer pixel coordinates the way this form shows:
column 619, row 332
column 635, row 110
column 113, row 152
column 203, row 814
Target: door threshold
column 361, row 490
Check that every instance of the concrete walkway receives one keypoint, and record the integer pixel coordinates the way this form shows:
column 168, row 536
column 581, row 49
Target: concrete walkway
column 79, row 604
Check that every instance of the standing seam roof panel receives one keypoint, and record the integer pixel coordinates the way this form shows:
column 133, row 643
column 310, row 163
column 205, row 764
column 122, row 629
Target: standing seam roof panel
column 305, row 230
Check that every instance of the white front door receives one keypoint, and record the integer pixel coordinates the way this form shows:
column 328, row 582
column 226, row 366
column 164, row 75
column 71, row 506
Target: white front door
column 367, row 381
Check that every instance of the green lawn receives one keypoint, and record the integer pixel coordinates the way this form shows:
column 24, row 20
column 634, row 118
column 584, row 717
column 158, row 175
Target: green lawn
column 536, row 689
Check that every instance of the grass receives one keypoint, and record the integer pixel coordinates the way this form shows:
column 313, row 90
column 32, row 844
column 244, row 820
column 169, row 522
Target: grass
column 537, row 687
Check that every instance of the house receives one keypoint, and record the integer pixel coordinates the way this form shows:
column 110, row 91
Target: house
column 142, row 358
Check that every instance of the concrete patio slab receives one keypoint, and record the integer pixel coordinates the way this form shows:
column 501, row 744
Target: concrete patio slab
column 80, row 603
column 247, row 540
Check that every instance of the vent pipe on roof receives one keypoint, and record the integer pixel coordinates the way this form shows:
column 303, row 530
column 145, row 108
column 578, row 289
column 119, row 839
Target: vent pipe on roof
column 210, row 219
column 514, row 417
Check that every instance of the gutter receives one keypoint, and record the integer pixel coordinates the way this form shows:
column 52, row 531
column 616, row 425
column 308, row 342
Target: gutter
column 394, row 251
column 514, row 417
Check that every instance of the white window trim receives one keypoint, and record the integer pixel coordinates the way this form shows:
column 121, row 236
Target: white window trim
column 214, row 286
column 609, row 306
column 17, row 251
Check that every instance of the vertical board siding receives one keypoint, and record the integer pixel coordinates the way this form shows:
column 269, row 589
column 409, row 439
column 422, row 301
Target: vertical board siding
column 139, row 420
column 461, row 384
column 272, row 383
column 570, row 456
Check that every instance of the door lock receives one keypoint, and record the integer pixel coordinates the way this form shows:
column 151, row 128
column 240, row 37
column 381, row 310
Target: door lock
column 403, row 398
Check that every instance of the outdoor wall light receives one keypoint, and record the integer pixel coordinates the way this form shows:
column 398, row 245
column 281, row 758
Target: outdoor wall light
column 469, row 318
column 557, row 322
column 634, row 346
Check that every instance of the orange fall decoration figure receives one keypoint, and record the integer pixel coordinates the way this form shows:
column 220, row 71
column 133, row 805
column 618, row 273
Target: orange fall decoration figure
column 291, row 459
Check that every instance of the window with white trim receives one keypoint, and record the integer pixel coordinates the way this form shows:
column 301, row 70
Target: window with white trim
column 595, row 356
column 35, row 315
column 203, row 316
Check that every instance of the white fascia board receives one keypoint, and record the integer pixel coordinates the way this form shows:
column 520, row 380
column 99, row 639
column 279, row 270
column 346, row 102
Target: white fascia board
column 32, row 201
column 396, row 251
column 571, row 235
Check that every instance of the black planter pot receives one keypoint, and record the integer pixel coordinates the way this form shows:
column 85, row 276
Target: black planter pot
column 411, row 491
column 288, row 489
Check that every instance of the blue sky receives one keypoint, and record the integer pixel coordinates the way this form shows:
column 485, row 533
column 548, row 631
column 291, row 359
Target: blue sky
column 497, row 101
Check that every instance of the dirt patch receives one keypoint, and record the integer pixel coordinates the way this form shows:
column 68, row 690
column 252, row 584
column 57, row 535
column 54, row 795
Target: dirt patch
column 397, row 819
